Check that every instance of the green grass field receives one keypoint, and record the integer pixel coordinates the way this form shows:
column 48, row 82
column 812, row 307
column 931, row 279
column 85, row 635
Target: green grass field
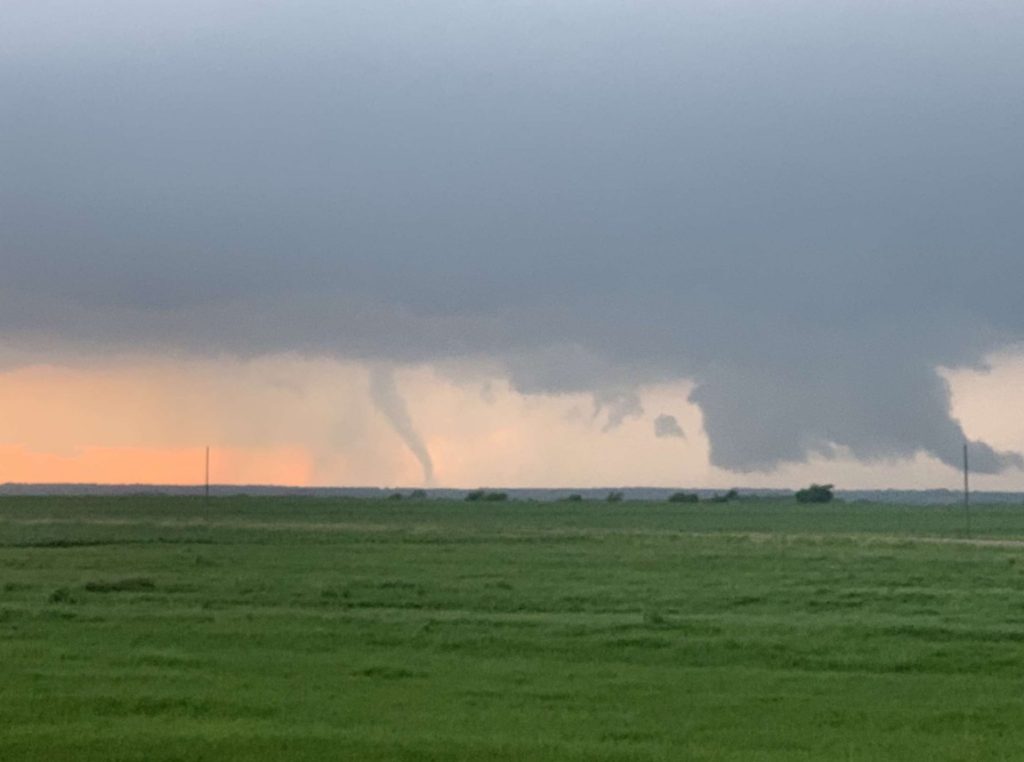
column 301, row 629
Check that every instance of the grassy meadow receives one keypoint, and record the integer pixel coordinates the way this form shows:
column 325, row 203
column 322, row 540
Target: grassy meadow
column 160, row 628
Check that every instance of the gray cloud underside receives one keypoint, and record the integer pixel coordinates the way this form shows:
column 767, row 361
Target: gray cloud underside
column 805, row 207
column 667, row 426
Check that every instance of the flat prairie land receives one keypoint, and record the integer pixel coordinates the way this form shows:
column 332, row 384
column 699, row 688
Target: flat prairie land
column 161, row 628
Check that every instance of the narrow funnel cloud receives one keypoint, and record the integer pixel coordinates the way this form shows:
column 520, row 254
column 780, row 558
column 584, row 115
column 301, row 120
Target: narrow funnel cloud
column 390, row 403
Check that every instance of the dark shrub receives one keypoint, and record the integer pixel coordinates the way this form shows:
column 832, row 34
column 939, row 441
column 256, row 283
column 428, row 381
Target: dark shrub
column 816, row 493
column 614, row 497
column 730, row 495
column 418, row 494
column 684, row 497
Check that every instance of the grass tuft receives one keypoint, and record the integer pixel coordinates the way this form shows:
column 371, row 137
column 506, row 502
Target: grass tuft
column 126, row 585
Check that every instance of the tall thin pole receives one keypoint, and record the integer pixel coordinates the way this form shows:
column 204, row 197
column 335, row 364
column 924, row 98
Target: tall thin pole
column 967, row 494
column 207, row 493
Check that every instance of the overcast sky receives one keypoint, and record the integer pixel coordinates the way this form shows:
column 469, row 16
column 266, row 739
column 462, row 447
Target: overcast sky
column 799, row 211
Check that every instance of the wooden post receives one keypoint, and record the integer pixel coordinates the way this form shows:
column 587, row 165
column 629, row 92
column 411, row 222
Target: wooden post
column 967, row 494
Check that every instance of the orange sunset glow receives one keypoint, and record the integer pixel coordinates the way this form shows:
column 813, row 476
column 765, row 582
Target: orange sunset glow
column 151, row 465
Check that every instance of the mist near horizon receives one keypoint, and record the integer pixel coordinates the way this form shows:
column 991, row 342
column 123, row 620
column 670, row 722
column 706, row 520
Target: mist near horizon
column 805, row 211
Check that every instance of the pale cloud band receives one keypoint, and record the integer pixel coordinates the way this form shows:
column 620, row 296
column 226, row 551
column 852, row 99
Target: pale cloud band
column 289, row 420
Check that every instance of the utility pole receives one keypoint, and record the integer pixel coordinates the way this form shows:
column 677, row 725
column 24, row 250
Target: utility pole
column 967, row 494
column 207, row 493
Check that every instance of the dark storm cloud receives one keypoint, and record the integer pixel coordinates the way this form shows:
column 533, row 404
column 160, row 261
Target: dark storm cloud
column 804, row 207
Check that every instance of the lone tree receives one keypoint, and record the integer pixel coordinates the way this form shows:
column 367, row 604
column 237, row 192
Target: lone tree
column 730, row 495
column 816, row 493
column 684, row 497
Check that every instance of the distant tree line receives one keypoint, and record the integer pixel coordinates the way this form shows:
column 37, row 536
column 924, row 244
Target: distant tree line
column 816, row 493
column 693, row 497
column 416, row 494
column 482, row 494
